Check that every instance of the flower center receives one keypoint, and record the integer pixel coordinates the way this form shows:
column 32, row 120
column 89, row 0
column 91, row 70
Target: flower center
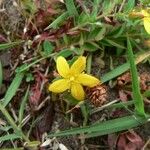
column 72, row 78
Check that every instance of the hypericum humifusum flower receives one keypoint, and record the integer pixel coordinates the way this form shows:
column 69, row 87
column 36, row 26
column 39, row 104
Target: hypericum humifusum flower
column 73, row 78
column 146, row 21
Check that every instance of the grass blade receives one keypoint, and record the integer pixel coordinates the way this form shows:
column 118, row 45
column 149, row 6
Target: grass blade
column 57, row 21
column 9, row 45
column 71, row 8
column 124, row 67
column 139, row 105
column 12, row 88
column 21, row 148
column 95, row 8
column 9, row 137
column 106, row 127
column 129, row 6
column 11, row 121
column 114, row 43
column 22, row 107
column 1, row 74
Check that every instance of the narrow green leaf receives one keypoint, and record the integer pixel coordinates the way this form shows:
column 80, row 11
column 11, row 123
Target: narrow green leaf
column 106, row 127
column 139, row 105
column 58, row 21
column 144, row 2
column 129, row 6
column 65, row 53
column 108, row 6
column 71, row 8
column 48, row 48
column 29, row 6
column 115, row 72
column 21, row 148
column 90, row 46
column 124, row 67
column 22, row 106
column 9, row 45
column 9, row 137
column 114, row 43
column 95, row 8
column 100, row 35
column 1, row 74
column 13, row 88
column 147, row 94
column 120, row 31
column 5, row 128
column 11, row 121
column 82, row 19
column 97, row 33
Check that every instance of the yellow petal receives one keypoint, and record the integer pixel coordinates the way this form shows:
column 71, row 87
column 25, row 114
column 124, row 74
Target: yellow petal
column 62, row 66
column 147, row 24
column 145, row 13
column 77, row 91
column 78, row 66
column 87, row 80
column 59, row 86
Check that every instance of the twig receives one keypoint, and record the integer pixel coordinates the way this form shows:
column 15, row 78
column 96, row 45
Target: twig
column 104, row 106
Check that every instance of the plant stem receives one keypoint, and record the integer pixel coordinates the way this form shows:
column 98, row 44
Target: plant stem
column 89, row 63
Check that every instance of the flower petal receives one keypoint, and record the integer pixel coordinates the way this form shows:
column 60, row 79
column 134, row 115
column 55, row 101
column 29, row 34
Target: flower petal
column 59, row 86
column 145, row 13
column 147, row 24
column 62, row 66
column 87, row 80
column 77, row 91
column 78, row 66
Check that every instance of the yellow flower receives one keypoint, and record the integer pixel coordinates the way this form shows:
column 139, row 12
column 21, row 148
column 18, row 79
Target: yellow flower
column 146, row 20
column 73, row 78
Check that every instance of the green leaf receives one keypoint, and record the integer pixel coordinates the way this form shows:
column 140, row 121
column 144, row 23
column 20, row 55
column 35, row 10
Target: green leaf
column 90, row 46
column 58, row 21
column 21, row 148
column 120, row 31
column 6, row 46
column 106, row 127
column 146, row 94
column 144, row 2
column 65, row 53
column 114, row 43
column 1, row 74
column 100, row 35
column 5, row 128
column 70, row 99
column 13, row 88
column 29, row 6
column 83, row 18
column 9, row 137
column 95, row 8
column 124, row 67
column 129, row 6
column 22, row 106
column 97, row 34
column 20, row 68
column 29, row 77
column 108, row 6
column 139, row 105
column 71, row 8
column 48, row 48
